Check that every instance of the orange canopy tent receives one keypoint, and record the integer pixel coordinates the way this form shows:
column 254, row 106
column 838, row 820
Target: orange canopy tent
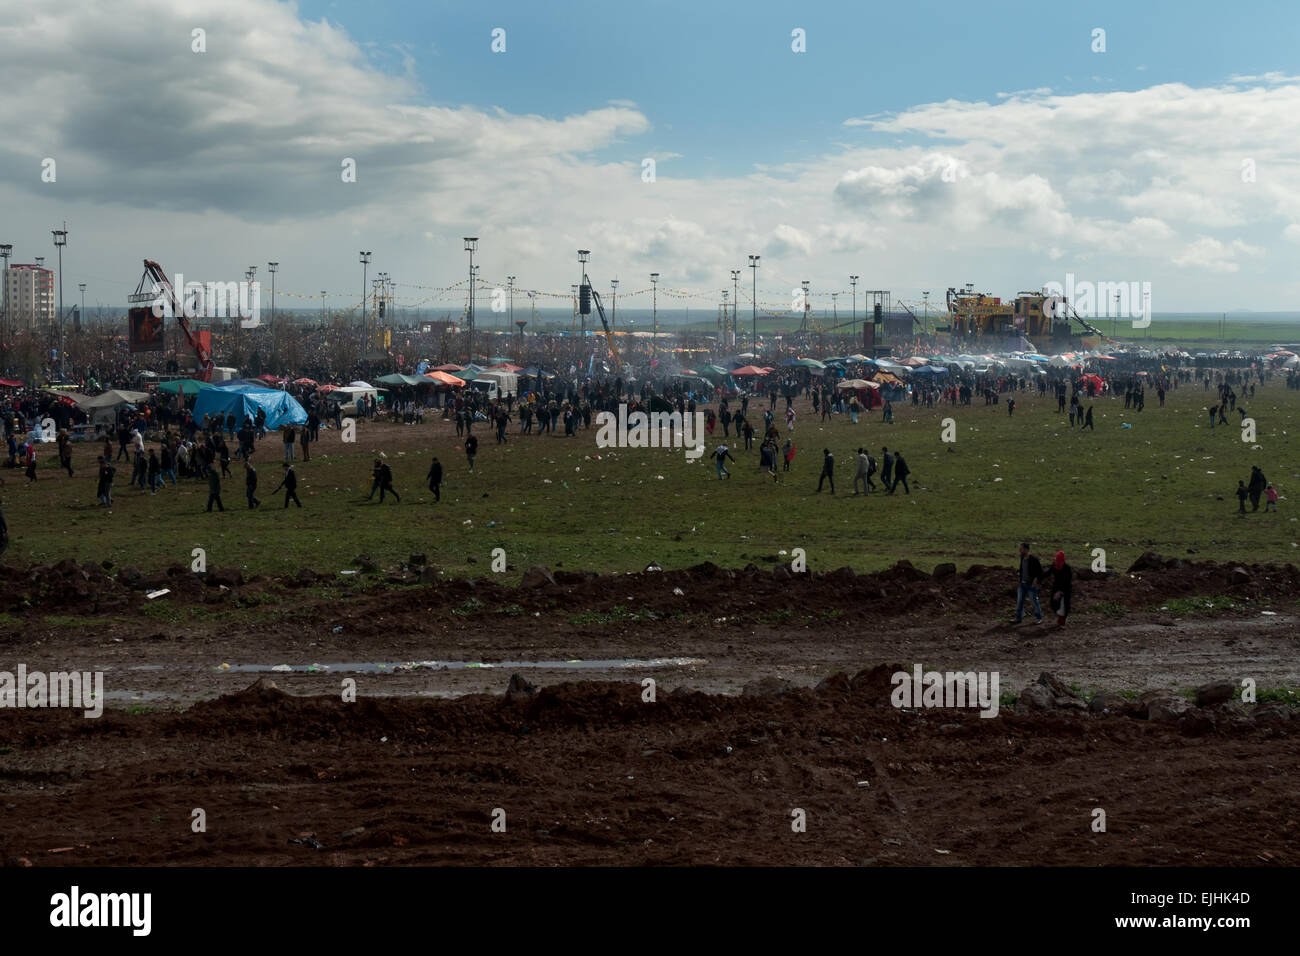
column 442, row 378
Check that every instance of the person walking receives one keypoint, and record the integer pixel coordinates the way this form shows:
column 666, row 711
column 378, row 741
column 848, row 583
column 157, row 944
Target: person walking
column 1270, row 497
column 289, row 438
column 901, row 471
column 155, row 472
column 250, row 485
column 471, row 449
column 720, row 456
column 1087, row 421
column 1256, row 487
column 1031, row 573
column 787, row 454
column 1062, row 585
column 31, row 461
column 290, row 485
column 305, row 439
column 887, row 469
column 435, row 479
column 65, row 451
column 384, row 475
column 828, row 471
column 104, row 489
column 861, row 474
column 214, row 489
column 374, row 479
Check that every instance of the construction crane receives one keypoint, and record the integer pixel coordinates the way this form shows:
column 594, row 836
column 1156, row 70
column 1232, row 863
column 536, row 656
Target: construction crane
column 156, row 280
column 588, row 290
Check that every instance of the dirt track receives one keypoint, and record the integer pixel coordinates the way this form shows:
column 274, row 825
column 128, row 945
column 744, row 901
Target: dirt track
column 590, row 773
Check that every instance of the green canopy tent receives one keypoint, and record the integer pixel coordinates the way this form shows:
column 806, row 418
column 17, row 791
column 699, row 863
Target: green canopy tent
column 186, row 386
column 399, row 379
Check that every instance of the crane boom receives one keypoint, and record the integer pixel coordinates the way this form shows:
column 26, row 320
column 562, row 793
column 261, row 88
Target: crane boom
column 609, row 336
column 153, row 273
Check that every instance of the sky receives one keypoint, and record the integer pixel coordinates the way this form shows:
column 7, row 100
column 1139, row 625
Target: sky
column 917, row 145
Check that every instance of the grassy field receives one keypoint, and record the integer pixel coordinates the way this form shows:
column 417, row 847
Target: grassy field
column 1165, row 484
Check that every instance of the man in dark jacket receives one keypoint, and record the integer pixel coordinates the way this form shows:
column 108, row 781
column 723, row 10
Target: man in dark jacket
column 828, row 470
column 214, row 489
column 901, row 471
column 290, row 485
column 471, row 449
column 435, row 479
column 384, row 475
column 886, row 469
column 1031, row 572
column 250, row 485
column 1256, row 487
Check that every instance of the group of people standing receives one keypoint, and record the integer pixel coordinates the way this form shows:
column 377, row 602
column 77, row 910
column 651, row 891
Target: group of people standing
column 1059, row 578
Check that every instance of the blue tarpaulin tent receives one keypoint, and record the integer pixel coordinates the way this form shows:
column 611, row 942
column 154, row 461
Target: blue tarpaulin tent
column 281, row 407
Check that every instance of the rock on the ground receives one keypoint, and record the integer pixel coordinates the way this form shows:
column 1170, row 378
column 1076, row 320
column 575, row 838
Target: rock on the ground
column 230, row 577
column 1055, row 685
column 1036, row 697
column 1108, row 702
column 1167, row 707
column 538, row 576
column 519, row 688
column 837, row 683
column 1272, row 712
column 1216, row 692
column 766, row 687
column 1238, row 576
column 1149, row 561
column 945, row 570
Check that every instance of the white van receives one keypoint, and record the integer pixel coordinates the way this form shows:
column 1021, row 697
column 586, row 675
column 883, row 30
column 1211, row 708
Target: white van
column 507, row 383
column 349, row 398
column 486, row 387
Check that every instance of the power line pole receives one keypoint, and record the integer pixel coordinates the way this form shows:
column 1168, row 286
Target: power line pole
column 654, row 342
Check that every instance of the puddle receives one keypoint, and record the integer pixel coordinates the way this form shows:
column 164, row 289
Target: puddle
column 401, row 667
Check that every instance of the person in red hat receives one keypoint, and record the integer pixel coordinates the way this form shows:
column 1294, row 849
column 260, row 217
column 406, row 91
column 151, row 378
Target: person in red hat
column 1062, row 581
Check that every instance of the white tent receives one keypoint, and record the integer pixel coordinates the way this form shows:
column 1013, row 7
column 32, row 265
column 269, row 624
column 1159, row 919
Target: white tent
column 102, row 408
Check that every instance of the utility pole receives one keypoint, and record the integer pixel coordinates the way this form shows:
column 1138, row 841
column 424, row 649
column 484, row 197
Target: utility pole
column 365, row 265
column 77, row 328
column 6, row 250
column 735, row 306
column 654, row 309
column 753, row 265
column 273, row 268
column 613, row 304
column 853, row 282
column 61, row 240
column 510, row 282
column 323, row 295
column 471, row 243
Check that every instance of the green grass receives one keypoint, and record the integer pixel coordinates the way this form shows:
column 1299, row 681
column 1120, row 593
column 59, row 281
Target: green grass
column 552, row 501
column 1201, row 606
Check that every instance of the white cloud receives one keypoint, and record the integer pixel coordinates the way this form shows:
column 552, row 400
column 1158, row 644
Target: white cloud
column 217, row 158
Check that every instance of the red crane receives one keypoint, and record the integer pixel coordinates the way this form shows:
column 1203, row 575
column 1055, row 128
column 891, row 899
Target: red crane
column 156, row 279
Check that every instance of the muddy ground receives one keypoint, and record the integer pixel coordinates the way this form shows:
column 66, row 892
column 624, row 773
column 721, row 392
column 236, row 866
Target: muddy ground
column 587, row 771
